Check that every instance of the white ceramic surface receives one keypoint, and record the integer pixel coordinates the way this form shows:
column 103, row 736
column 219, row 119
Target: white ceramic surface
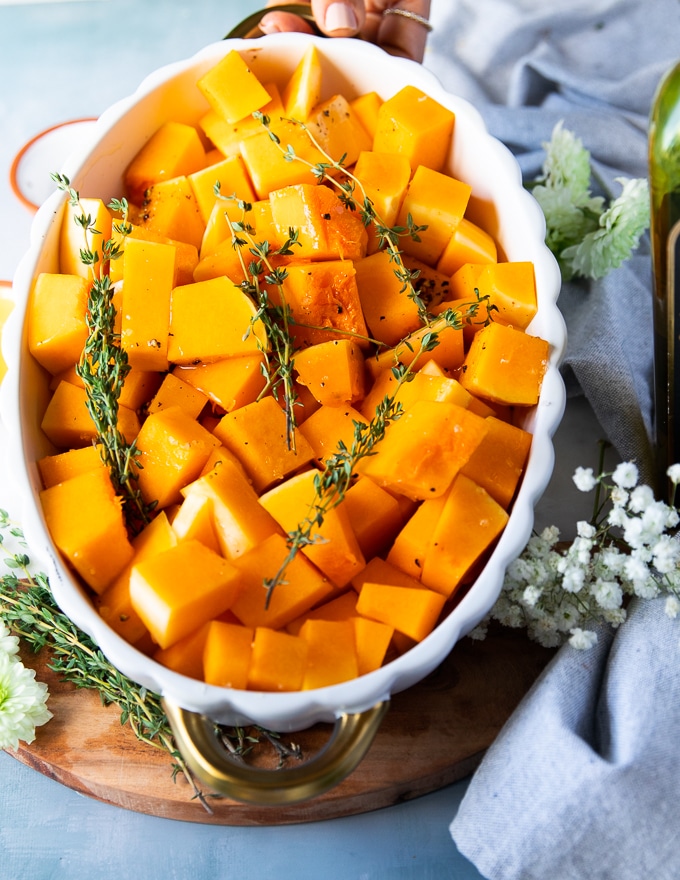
column 499, row 202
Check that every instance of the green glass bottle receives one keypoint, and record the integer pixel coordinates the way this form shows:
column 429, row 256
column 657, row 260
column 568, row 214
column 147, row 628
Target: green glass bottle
column 664, row 182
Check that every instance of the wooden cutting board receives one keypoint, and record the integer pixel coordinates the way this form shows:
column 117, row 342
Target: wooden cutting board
column 433, row 734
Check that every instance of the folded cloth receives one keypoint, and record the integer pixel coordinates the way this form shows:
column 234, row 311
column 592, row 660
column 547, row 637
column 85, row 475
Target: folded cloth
column 582, row 782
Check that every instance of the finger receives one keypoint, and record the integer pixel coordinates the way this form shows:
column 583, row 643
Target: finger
column 397, row 33
column 283, row 22
column 339, row 18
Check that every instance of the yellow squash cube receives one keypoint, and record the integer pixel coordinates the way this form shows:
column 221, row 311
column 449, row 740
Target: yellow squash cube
column 232, row 89
column 56, row 320
column 174, row 149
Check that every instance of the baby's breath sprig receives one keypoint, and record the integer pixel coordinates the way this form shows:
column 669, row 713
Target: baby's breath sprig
column 103, row 365
column 630, row 547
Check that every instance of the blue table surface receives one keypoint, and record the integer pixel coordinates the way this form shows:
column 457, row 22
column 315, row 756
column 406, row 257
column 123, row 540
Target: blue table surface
column 62, row 61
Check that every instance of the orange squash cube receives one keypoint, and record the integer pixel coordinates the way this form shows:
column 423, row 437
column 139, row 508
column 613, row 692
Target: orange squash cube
column 381, row 571
column 383, row 179
column 239, row 521
column 56, row 320
column 326, row 229
column 366, row 108
column 73, row 238
column 438, row 202
column 389, row 311
column 64, row 465
column 173, row 449
column 407, row 553
column 498, row 462
column 449, row 351
column 414, row 125
column 468, row 244
column 186, row 655
column 302, row 92
column 170, row 209
column 178, row 590
column 266, row 161
column 228, row 136
column 277, row 662
column 148, row 273
column 232, row 89
column 336, row 552
column 68, row 424
column 175, row 392
column 342, row 607
column 423, row 450
column 332, row 654
column 226, row 654
column 194, row 520
column 505, row 365
column 174, row 149
column 333, row 371
column 230, row 173
column 186, row 255
column 303, row 587
column 324, row 295
column 412, row 611
column 375, row 515
column 372, row 639
column 327, row 427
column 211, row 320
column 114, row 604
column 338, row 131
column 469, row 523
column 257, row 435
column 230, row 383
column 85, row 519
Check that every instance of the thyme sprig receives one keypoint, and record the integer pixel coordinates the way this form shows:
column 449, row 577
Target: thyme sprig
column 103, row 365
column 276, row 319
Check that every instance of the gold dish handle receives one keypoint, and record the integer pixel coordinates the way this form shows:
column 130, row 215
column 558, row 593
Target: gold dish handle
column 212, row 764
column 248, row 28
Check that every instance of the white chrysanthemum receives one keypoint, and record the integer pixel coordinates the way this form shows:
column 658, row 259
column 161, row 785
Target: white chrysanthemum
column 9, row 644
column 672, row 606
column 22, row 703
column 584, row 479
column 626, row 475
column 582, row 639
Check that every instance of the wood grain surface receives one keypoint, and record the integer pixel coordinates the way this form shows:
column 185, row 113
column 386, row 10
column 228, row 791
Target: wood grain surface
column 435, row 733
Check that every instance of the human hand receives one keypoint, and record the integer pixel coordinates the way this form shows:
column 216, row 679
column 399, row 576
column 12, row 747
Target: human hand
column 400, row 27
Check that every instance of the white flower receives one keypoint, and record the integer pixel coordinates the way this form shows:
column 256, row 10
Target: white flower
column 618, row 496
column 626, row 475
column 531, row 595
column 607, row 594
column 673, row 474
column 22, row 703
column 9, row 644
column 584, row 479
column 582, row 639
column 585, row 529
column 573, row 579
column 640, row 498
column 666, row 553
column 617, row 517
column 672, row 606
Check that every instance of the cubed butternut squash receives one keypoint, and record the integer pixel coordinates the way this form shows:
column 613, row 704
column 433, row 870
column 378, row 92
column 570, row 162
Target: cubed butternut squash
column 302, row 92
column 56, row 320
column 468, row 244
column 85, row 519
column 505, row 365
column 232, row 89
column 64, row 465
column 277, row 662
column 328, row 426
column 231, row 177
column 333, row 371
column 226, row 654
column 228, row 136
column 332, row 654
column 389, row 311
column 414, row 125
column 469, row 523
column 177, row 591
column 174, row 149
column 170, row 209
column 412, row 611
column 383, row 179
column 498, row 462
column 230, row 383
column 68, row 424
column 339, row 131
column 174, row 391
column 186, row 655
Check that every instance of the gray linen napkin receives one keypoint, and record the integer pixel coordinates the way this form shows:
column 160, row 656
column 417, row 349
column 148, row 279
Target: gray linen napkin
column 583, row 781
